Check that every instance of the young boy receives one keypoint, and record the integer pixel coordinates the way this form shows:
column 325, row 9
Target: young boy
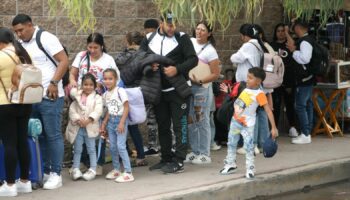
column 243, row 122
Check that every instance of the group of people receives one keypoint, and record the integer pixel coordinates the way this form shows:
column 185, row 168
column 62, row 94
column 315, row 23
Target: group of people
column 178, row 103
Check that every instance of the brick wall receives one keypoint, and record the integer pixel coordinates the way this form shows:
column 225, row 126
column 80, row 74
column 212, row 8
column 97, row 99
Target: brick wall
column 116, row 17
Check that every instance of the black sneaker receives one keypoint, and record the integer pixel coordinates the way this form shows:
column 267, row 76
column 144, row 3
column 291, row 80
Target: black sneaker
column 151, row 152
column 173, row 167
column 157, row 166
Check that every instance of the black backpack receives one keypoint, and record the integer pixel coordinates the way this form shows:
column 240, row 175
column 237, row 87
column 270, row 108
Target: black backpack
column 65, row 78
column 319, row 64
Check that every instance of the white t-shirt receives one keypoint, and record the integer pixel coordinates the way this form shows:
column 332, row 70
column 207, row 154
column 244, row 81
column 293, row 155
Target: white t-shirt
column 96, row 67
column 207, row 54
column 114, row 101
column 52, row 46
column 246, row 105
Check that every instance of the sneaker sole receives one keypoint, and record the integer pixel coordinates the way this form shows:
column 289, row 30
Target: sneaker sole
column 176, row 172
column 228, row 173
column 152, row 155
column 58, row 186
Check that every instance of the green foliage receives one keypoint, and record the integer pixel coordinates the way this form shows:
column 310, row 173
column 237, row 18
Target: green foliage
column 80, row 12
column 214, row 11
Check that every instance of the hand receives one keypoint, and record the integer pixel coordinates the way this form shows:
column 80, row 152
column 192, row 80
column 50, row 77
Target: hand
column 52, row 92
column 170, row 71
column 274, row 133
column 73, row 84
column 286, row 29
column 291, row 46
column 120, row 128
column 155, row 67
column 223, row 87
column 194, row 79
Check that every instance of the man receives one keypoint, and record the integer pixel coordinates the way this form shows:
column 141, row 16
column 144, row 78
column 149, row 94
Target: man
column 302, row 54
column 151, row 25
column 49, row 111
column 173, row 106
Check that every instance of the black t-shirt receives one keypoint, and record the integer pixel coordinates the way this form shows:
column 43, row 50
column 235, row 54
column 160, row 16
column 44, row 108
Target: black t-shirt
column 289, row 63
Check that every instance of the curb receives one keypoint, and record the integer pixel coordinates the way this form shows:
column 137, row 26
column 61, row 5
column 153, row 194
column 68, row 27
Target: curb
column 266, row 184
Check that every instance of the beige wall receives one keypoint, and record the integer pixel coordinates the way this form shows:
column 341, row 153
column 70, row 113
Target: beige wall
column 116, row 17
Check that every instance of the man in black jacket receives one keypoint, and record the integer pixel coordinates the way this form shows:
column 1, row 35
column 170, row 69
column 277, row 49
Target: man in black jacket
column 302, row 54
column 173, row 106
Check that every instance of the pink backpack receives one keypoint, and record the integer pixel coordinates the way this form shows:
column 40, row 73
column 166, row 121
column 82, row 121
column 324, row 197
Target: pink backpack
column 274, row 69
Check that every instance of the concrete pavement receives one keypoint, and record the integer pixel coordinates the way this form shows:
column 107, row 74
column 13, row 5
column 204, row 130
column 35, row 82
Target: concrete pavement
column 292, row 168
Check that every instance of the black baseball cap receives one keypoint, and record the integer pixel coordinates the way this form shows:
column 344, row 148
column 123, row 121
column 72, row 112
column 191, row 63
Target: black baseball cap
column 168, row 17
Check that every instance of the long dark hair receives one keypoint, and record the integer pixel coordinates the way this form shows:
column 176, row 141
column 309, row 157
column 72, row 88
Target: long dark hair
column 251, row 31
column 211, row 38
column 98, row 39
column 275, row 31
column 6, row 36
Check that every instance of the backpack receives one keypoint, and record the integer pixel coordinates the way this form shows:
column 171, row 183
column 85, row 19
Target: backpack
column 274, row 68
column 65, row 78
column 26, row 84
column 319, row 64
column 137, row 110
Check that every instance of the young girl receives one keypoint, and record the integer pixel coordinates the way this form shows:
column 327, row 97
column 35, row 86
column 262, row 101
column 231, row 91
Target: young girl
column 116, row 101
column 83, row 126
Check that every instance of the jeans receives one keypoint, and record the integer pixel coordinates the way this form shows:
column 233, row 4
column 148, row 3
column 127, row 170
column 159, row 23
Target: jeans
column 233, row 137
column 82, row 138
column 172, row 108
column 304, row 108
column 261, row 128
column 117, row 143
column 51, row 139
column 137, row 139
column 199, row 122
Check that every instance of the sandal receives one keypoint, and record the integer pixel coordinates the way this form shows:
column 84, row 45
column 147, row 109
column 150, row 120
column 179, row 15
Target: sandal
column 139, row 163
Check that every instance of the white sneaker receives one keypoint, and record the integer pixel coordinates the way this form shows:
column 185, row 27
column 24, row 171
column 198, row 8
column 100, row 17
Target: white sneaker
column 241, row 151
column 76, row 174
column 215, row 147
column 8, row 191
column 190, row 157
column 46, row 177
column 256, row 150
column 302, row 139
column 24, row 187
column 249, row 174
column 113, row 174
column 228, row 169
column 293, row 132
column 89, row 175
column 125, row 177
column 201, row 159
column 54, row 182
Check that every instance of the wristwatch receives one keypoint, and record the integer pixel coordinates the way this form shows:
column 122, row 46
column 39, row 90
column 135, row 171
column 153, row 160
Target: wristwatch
column 53, row 82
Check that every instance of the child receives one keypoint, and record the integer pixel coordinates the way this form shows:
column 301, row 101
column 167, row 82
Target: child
column 83, row 127
column 116, row 101
column 243, row 122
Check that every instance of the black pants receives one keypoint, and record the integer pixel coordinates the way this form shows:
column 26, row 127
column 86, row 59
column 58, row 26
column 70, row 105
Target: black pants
column 172, row 108
column 288, row 94
column 13, row 133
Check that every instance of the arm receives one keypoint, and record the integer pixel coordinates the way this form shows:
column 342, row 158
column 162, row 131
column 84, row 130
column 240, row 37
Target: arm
column 73, row 76
column 240, row 55
column 96, row 114
column 269, row 100
column 121, row 125
column 191, row 59
column 104, row 124
column 62, row 67
column 272, row 120
column 303, row 56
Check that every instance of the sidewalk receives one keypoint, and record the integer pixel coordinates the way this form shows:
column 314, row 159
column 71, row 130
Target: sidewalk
column 292, row 168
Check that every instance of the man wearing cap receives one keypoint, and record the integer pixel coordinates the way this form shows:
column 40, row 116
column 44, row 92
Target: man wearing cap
column 173, row 106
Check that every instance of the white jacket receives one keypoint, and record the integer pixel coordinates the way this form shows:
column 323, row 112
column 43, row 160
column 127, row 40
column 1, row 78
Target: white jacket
column 93, row 109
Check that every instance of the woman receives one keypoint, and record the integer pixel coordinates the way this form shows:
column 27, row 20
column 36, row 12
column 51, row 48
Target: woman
column 93, row 60
column 287, row 90
column 133, row 41
column 198, row 119
column 13, row 118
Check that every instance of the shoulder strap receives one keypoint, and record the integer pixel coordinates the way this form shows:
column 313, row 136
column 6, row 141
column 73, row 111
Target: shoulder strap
column 40, row 45
column 10, row 57
column 152, row 36
column 261, row 57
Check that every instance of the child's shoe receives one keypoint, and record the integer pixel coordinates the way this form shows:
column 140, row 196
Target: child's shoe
column 125, row 177
column 228, row 169
column 249, row 174
column 76, row 174
column 89, row 175
column 113, row 174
